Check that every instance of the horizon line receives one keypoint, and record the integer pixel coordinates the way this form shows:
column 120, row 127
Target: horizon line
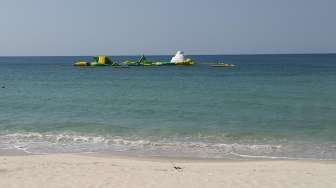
column 333, row 53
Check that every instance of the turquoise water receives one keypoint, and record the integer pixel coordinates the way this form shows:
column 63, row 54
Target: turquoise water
column 268, row 106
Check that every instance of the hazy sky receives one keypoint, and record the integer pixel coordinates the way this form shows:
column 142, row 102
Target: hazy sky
column 121, row 27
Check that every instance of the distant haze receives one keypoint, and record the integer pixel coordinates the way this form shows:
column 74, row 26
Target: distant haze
column 125, row 27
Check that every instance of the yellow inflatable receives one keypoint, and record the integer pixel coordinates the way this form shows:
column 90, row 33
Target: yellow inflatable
column 82, row 63
column 97, row 61
column 186, row 62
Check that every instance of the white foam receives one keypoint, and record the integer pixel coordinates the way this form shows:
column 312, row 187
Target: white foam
column 43, row 143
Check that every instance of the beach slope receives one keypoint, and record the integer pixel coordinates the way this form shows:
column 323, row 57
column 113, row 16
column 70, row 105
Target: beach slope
column 71, row 170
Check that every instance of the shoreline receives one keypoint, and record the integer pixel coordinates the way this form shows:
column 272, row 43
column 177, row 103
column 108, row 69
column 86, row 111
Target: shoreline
column 20, row 152
column 71, row 142
column 99, row 155
column 91, row 170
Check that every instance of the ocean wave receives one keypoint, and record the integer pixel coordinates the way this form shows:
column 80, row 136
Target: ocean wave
column 44, row 143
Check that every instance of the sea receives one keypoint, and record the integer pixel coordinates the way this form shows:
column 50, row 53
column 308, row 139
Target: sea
column 266, row 107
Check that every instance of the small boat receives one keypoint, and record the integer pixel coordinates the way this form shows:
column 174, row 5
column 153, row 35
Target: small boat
column 222, row 65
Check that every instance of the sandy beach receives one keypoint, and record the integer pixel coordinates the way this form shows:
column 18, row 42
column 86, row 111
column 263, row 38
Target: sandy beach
column 78, row 170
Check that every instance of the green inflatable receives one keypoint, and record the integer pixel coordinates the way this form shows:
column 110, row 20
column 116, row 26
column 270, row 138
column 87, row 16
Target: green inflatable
column 141, row 62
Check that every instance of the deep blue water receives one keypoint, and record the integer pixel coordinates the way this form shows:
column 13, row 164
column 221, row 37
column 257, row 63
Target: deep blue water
column 266, row 106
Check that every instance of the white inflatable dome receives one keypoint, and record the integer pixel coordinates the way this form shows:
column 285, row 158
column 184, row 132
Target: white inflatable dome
column 179, row 57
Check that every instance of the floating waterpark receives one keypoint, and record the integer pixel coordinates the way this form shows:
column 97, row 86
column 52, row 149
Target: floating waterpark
column 177, row 60
column 97, row 61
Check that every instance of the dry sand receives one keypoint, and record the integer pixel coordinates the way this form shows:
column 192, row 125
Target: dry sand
column 71, row 170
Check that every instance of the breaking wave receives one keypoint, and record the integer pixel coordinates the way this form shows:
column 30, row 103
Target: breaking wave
column 46, row 143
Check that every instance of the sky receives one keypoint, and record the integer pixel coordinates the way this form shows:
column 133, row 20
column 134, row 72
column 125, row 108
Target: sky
column 161, row 27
